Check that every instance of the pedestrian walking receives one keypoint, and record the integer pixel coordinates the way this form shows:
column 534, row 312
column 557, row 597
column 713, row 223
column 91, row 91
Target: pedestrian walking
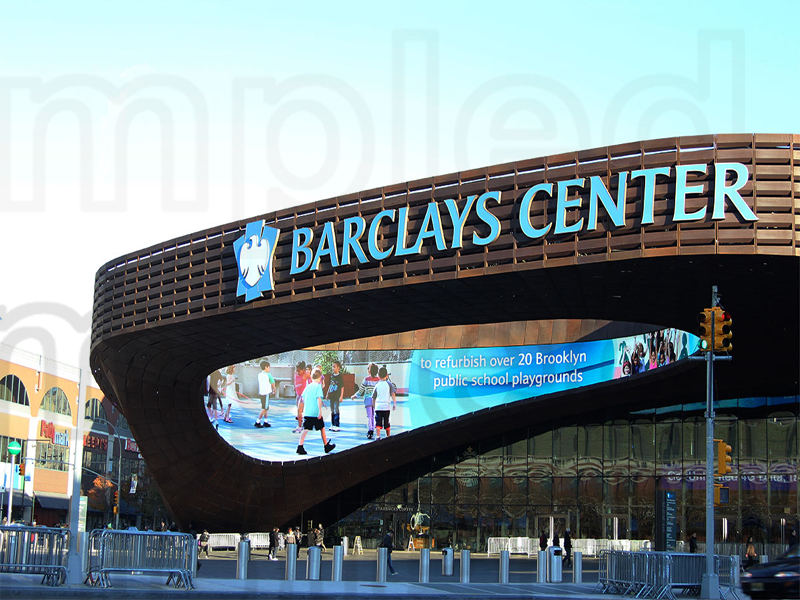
column 543, row 542
column 388, row 543
column 204, row 537
column 750, row 556
column 693, row 543
column 273, row 544
column 567, row 548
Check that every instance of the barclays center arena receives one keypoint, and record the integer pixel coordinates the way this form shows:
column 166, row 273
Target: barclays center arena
column 537, row 320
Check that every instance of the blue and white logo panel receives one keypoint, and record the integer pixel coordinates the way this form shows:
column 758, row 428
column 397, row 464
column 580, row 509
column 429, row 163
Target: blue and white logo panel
column 254, row 253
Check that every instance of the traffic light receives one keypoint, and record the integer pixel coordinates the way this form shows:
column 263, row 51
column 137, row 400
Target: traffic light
column 706, row 320
column 722, row 330
column 724, row 459
column 721, row 494
column 22, row 469
column 116, row 499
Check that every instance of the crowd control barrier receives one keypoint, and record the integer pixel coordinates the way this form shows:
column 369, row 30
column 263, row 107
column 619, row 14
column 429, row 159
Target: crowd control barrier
column 112, row 550
column 258, row 541
column 35, row 550
column 658, row 574
column 217, row 541
column 514, row 545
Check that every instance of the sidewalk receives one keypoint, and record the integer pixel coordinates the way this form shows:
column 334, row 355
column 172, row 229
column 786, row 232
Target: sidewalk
column 216, row 579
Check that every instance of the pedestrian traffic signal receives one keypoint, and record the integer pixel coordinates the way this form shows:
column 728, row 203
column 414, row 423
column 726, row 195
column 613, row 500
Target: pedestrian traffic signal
column 22, row 469
column 721, row 494
column 724, row 459
column 116, row 509
column 722, row 330
column 706, row 320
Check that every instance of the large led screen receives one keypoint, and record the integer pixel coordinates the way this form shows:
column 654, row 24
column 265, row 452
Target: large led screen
column 426, row 387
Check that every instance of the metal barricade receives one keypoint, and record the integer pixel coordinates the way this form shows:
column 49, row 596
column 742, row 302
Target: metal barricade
column 223, row 540
column 728, row 570
column 35, row 550
column 658, row 574
column 258, row 541
column 140, row 552
column 514, row 545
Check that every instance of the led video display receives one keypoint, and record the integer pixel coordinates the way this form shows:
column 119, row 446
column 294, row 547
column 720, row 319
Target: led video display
column 255, row 405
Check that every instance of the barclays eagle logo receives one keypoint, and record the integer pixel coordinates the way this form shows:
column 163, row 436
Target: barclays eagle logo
column 254, row 252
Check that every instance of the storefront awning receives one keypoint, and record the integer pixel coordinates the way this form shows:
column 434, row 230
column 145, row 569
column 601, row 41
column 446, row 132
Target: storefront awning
column 52, row 500
column 17, row 499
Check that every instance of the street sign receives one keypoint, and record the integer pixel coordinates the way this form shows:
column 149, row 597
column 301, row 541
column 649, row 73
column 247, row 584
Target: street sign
column 14, row 448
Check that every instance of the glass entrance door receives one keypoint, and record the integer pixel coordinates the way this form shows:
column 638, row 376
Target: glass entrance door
column 549, row 524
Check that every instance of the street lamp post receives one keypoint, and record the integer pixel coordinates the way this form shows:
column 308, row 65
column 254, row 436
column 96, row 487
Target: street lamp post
column 14, row 448
column 119, row 460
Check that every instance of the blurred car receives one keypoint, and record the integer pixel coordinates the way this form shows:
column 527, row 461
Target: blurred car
column 779, row 578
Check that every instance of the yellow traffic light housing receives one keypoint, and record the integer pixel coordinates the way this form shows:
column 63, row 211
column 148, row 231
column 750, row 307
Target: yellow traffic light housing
column 116, row 499
column 721, row 494
column 722, row 330
column 22, row 469
column 724, row 459
column 706, row 321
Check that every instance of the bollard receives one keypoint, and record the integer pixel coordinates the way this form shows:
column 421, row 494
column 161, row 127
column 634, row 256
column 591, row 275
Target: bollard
column 83, row 544
column 504, row 566
column 291, row 562
column 447, row 562
column 242, row 559
column 465, row 566
column 383, row 556
column 541, row 566
column 346, row 544
column 737, row 569
column 338, row 563
column 313, row 560
column 425, row 565
column 577, row 569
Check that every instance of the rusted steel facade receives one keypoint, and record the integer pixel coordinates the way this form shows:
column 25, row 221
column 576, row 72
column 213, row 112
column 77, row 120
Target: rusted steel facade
column 168, row 315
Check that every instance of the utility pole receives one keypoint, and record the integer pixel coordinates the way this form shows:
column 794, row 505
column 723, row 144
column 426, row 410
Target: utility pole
column 710, row 585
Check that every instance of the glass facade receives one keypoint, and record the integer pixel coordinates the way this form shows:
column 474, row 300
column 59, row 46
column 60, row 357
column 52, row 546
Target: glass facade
column 598, row 478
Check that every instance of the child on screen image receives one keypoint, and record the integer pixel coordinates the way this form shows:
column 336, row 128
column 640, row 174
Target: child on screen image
column 312, row 419
column 300, row 382
column 266, row 387
column 385, row 402
column 232, row 394
column 365, row 391
column 335, row 394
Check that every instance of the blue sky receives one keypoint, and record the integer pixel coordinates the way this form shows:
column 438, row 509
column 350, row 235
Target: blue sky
column 126, row 124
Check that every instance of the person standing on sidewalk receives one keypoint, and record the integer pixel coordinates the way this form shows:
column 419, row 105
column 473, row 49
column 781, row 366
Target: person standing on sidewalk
column 388, row 543
column 693, row 543
column 291, row 543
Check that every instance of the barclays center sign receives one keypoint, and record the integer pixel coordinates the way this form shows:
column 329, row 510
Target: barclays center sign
column 361, row 241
